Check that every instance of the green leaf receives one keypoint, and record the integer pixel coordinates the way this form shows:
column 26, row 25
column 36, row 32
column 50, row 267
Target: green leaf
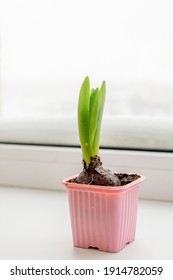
column 93, row 115
column 96, row 141
column 83, row 119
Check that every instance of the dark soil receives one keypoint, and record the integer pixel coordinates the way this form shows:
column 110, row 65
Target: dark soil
column 127, row 178
column 95, row 174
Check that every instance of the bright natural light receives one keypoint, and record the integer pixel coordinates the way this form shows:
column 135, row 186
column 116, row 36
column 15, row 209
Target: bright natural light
column 49, row 46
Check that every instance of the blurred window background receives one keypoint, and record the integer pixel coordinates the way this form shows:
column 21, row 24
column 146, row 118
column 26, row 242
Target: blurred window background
column 49, row 46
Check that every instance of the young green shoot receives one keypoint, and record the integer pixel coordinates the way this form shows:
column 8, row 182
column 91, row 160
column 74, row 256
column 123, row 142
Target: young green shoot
column 90, row 112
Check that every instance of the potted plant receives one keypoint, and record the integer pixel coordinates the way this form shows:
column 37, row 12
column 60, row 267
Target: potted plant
column 103, row 204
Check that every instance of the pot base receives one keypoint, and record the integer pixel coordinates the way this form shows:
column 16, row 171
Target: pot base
column 103, row 249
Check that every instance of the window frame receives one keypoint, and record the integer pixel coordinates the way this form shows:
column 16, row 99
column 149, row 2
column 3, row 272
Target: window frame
column 44, row 167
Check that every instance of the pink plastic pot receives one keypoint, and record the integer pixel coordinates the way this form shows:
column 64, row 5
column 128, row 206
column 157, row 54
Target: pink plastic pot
column 103, row 217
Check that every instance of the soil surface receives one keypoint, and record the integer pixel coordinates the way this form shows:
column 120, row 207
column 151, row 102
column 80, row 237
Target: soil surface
column 96, row 174
column 127, row 178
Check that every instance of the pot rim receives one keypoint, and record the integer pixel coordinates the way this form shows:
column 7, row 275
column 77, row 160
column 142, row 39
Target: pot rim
column 108, row 189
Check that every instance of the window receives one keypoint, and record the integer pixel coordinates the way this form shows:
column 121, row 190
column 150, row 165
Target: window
column 48, row 47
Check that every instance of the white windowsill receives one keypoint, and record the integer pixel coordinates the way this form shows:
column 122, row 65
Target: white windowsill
column 35, row 224
column 32, row 224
